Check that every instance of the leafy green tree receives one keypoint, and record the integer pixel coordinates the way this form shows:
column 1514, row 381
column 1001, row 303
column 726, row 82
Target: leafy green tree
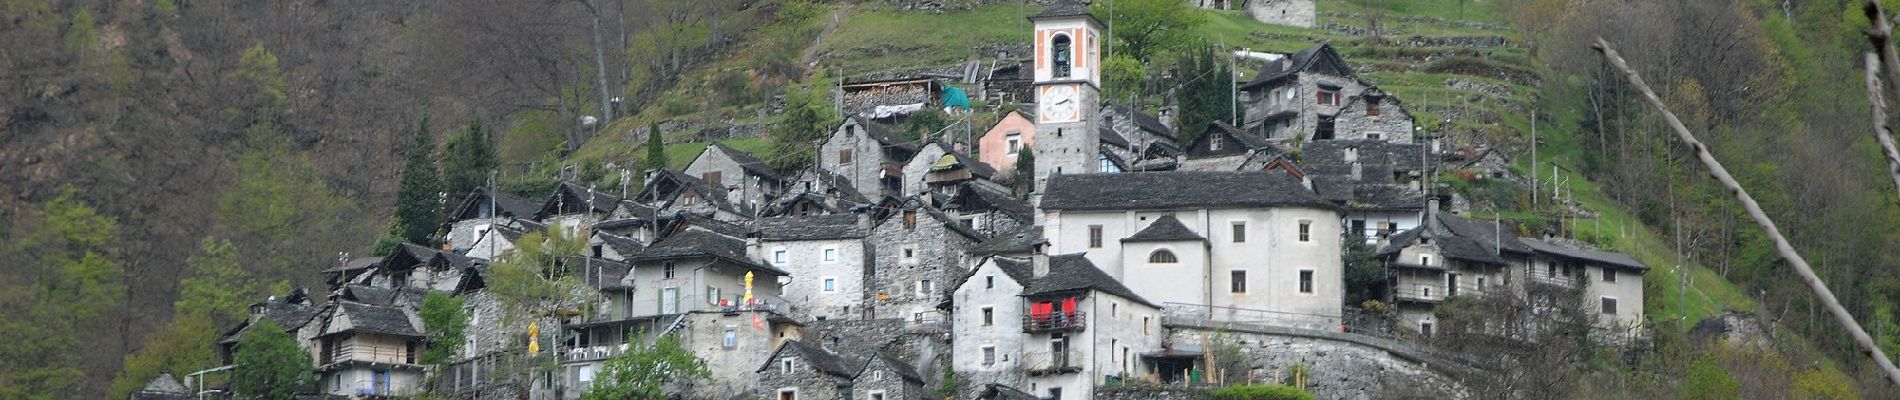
column 1708, row 380
column 443, row 317
column 59, row 283
column 534, row 285
column 82, row 36
column 276, row 197
column 808, row 117
column 181, row 347
column 466, row 161
column 1260, row 392
column 656, row 147
column 646, row 371
column 218, row 288
column 1204, row 92
column 1123, row 77
column 418, row 209
column 258, row 69
column 920, row 125
column 270, row 365
column 1365, row 276
column 1147, row 28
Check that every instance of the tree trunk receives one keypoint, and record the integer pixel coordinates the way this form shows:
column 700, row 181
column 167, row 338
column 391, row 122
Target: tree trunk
column 600, row 69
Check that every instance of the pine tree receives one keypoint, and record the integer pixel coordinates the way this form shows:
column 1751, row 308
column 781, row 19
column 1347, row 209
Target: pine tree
column 656, row 148
column 417, row 208
column 466, row 161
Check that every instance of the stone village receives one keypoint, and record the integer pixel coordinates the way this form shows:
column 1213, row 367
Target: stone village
column 892, row 266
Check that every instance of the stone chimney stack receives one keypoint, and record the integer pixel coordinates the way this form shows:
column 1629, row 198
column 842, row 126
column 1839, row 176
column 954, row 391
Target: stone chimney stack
column 753, row 248
column 865, row 221
column 1039, row 260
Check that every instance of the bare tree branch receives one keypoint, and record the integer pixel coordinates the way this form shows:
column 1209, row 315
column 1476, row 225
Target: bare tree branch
column 1882, row 131
column 1788, row 253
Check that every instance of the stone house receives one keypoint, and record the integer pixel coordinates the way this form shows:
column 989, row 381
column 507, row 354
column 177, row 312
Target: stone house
column 696, row 270
column 888, row 98
column 412, row 266
column 366, row 350
column 798, row 371
column 886, row 377
column 1055, row 325
column 480, row 209
column 1304, row 98
column 572, row 204
column 939, row 167
column 671, row 194
column 750, row 183
column 1140, row 128
column 1254, row 246
column 1002, row 143
column 827, row 258
column 164, row 387
column 1222, row 147
column 817, row 191
column 293, row 312
column 989, row 208
column 1613, row 282
column 1450, row 256
column 869, row 155
column 1378, row 182
column 918, row 251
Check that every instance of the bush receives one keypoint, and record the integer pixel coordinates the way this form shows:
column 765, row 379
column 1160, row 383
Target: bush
column 1261, row 392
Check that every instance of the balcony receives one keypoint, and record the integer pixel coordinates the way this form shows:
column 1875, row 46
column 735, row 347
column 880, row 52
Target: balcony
column 1053, row 362
column 351, row 352
column 1052, row 322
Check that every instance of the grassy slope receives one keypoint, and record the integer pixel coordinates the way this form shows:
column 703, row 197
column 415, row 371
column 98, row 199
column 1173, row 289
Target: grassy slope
column 875, row 38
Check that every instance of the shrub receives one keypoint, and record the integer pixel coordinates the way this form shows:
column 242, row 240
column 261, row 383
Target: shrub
column 1261, row 392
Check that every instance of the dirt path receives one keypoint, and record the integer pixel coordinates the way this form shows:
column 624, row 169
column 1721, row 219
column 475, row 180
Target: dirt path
column 837, row 17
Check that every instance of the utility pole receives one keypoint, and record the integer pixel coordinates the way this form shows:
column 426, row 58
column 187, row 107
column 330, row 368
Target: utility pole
column 1533, row 159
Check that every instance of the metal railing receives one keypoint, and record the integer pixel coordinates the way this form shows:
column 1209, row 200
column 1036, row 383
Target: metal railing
column 1054, row 321
column 1053, row 362
column 1203, row 312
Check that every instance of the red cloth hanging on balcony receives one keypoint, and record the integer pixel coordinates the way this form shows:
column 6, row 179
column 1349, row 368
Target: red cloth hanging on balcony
column 1040, row 310
column 1068, row 306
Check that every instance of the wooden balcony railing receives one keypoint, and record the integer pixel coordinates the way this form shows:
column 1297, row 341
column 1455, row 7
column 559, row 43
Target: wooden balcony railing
column 1056, row 321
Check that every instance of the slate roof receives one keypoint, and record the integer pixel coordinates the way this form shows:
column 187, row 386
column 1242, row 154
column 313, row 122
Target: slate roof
column 1018, row 269
column 816, row 227
column 1178, row 189
column 356, row 264
column 695, row 243
column 163, row 387
column 365, row 318
column 976, row 167
column 598, row 272
column 1460, row 238
column 1022, row 240
column 1164, row 229
column 1293, row 64
column 884, row 134
column 627, row 247
column 748, row 162
column 954, row 225
column 602, row 202
column 1377, row 158
column 290, row 316
column 1071, row 272
column 812, row 357
column 1063, row 8
column 1252, row 141
column 1109, row 137
column 999, row 198
column 998, row 391
column 1147, row 122
column 902, row 368
column 1599, row 257
column 505, row 204
column 1485, row 233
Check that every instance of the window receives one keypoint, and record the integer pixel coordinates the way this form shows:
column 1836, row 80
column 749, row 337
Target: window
column 1238, row 280
column 924, row 287
column 1609, row 305
column 989, row 355
column 1144, row 325
column 1213, row 143
column 1551, row 270
column 1060, row 53
column 1055, row 393
column 1428, row 291
column 989, row 316
column 1162, row 257
column 788, row 394
column 1425, row 259
column 732, row 338
column 1015, row 141
column 831, row 285
column 1306, row 231
column 989, row 281
column 1095, row 236
column 1240, row 232
column 1425, row 327
column 1609, row 275
column 1375, row 136
column 1325, row 129
column 785, row 366
column 1114, row 310
column 844, row 156
column 1328, row 97
column 668, row 271
column 712, row 295
column 831, row 255
column 1480, row 283
column 710, row 176
column 1306, row 281
column 877, row 395
column 778, row 256
column 910, row 254
column 1372, row 108
column 910, row 219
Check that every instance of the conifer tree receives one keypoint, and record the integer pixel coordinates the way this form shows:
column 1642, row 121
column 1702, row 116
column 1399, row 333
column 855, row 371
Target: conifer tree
column 466, row 160
column 418, row 211
column 656, row 148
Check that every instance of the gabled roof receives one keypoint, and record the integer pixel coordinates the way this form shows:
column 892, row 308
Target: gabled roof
column 600, row 200
column 997, row 198
column 1177, row 190
column 1488, row 235
column 1244, row 138
column 998, row 391
column 1298, row 62
column 1147, row 122
column 898, row 365
column 597, row 272
column 977, row 168
column 811, row 357
column 1109, row 137
column 746, row 161
column 1460, row 238
column 505, row 204
column 365, row 318
column 1586, row 255
column 1165, row 229
column 1022, row 240
column 1064, row 9
column 1072, row 272
column 165, row 383
column 627, row 247
column 883, row 134
column 816, row 227
column 695, row 243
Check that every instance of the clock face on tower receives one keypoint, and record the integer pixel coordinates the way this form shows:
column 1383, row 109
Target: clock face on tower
column 1058, row 103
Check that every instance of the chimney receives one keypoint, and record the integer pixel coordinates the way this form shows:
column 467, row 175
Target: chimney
column 752, row 247
column 1356, row 174
column 1039, row 260
column 865, row 221
column 1431, row 211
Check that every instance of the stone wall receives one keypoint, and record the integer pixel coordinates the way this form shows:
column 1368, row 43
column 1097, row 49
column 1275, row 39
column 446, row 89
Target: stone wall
column 1341, row 366
column 1300, row 13
column 1139, row 391
column 935, row 254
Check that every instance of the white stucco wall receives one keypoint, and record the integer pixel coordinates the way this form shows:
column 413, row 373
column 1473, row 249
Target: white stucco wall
column 805, row 260
column 1005, row 334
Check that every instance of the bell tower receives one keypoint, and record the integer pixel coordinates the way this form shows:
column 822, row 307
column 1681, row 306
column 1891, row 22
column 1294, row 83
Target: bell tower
column 1068, row 51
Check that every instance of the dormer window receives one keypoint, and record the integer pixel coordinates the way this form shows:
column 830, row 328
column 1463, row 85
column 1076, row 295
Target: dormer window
column 1162, row 257
column 1061, row 55
column 1213, row 143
